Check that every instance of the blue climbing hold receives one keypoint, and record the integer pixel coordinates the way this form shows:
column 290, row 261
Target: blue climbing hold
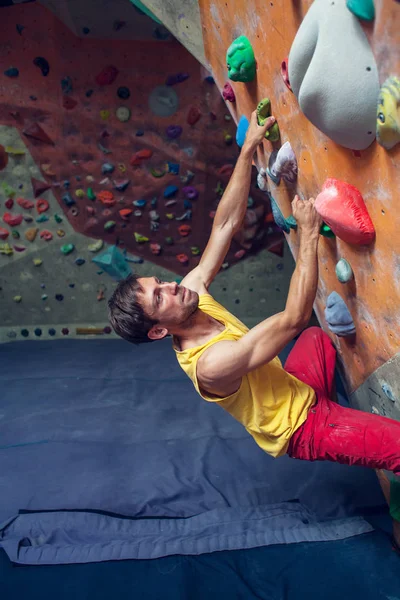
column 107, row 169
column 80, row 261
column 113, row 262
column 154, row 202
column 241, row 131
column 68, row 199
column 12, row 72
column 170, row 191
column 139, row 133
column 140, row 203
column 187, row 204
column 338, row 316
column 387, row 390
column 52, row 331
column 173, row 168
column 38, row 332
column 285, row 224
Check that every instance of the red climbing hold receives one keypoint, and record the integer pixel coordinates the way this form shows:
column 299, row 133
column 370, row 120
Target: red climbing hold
column 36, row 132
column 193, row 115
column 155, row 249
column 9, row 203
column 226, row 170
column 12, row 220
column 125, row 213
column 106, row 197
column 182, row 258
column 184, row 230
column 3, row 158
column 140, row 156
column 69, row 103
column 25, row 204
column 39, row 187
column 4, row 233
column 46, row 235
column 342, row 208
column 90, row 210
column 107, row 76
column 42, row 205
column 285, row 73
column 228, row 92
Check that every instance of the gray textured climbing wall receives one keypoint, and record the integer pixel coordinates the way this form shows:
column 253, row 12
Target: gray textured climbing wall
column 47, row 293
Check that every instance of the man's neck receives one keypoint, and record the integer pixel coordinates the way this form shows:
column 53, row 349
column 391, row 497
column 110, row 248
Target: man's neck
column 199, row 329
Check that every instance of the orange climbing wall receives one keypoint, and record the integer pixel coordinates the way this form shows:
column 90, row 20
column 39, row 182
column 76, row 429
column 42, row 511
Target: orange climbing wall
column 373, row 297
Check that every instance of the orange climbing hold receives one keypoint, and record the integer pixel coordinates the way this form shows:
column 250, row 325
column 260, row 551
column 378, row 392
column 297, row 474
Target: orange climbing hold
column 42, row 205
column 182, row 258
column 184, row 230
column 140, row 156
column 342, row 207
column 125, row 213
column 106, row 197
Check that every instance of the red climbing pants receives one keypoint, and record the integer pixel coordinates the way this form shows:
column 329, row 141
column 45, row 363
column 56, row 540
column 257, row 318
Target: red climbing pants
column 332, row 432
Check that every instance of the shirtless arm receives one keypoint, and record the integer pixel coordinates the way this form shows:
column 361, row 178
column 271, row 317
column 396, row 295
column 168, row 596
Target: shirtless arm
column 221, row 368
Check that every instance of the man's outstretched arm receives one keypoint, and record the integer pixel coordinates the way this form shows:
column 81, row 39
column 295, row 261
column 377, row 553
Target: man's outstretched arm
column 231, row 210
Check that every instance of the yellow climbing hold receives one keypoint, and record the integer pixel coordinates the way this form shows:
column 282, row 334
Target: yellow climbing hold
column 6, row 249
column 105, row 115
column 80, row 193
column 17, row 299
column 388, row 114
column 96, row 246
column 60, row 232
column 37, row 262
column 170, row 215
column 141, row 239
column 122, row 167
column 15, row 151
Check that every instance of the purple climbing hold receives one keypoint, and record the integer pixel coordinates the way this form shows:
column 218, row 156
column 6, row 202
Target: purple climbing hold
column 190, row 192
column 177, row 78
column 338, row 316
column 173, row 131
column 42, row 64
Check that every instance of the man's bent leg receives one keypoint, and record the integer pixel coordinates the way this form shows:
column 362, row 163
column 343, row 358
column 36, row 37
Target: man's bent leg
column 347, row 436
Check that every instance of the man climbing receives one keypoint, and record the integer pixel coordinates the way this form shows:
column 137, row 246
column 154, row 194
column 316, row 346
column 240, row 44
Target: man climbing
column 286, row 410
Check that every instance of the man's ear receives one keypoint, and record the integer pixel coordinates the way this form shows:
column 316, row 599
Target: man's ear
column 157, row 332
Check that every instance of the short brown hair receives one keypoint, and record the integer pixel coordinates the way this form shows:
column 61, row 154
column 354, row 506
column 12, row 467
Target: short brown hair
column 125, row 313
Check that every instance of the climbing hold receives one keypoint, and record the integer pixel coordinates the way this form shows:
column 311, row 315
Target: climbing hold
column 100, row 295
column 169, row 241
column 12, row 72
column 173, row 168
column 46, row 235
column 37, row 262
column 57, row 218
column 121, row 185
column 388, row 114
column 228, row 92
column 262, row 181
column 173, row 131
column 140, row 156
column 19, row 248
column 96, row 246
column 387, row 390
column 195, row 250
column 155, row 249
column 170, row 191
column 187, row 204
column 240, row 60
column 42, row 219
column 66, row 184
column 9, row 203
column 137, row 213
column 104, row 115
column 140, row 202
column 187, row 178
column 228, row 139
column 3, row 157
column 66, row 85
column 12, row 334
column 17, row 299
column 74, row 212
column 326, row 231
column 163, row 101
column 263, row 112
column 106, row 197
column 363, row 9
column 125, row 213
column 286, row 224
column 187, row 216
column 154, row 216
column 42, row 205
column 42, row 64
column 79, row 193
column 4, row 233
column 193, row 116
column 103, row 149
column 285, row 73
column 157, row 173
column 228, row 118
column 343, row 271
column 250, row 202
column 47, row 170
column 182, row 258
column 67, row 248
column 338, row 317
column 170, row 216
column 67, row 199
column 241, row 131
column 30, row 234
column 177, row 78
column 170, row 203
column 6, row 249
column 60, row 233
column 283, row 164
column 90, row 194
column 139, row 133
column 239, row 254
column 28, row 218
column 190, row 192
column 52, row 332
column 123, row 114
column 12, row 220
column 139, row 238
column 184, row 230
column 65, row 331
column 225, row 170
column 69, row 103
column 123, row 93
column 15, row 234
column 24, row 333
column 342, row 208
column 8, row 191
column 80, row 261
column 154, row 201
column 219, row 190
column 59, row 297
column 109, row 225
column 39, row 187
column 107, row 76
column 107, row 168
column 37, row 133
column 38, row 332
column 14, row 151
column 89, row 93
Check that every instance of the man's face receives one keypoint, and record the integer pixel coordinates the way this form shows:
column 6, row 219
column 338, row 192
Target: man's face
column 167, row 302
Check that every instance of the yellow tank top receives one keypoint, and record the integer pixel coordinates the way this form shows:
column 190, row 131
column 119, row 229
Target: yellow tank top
column 270, row 403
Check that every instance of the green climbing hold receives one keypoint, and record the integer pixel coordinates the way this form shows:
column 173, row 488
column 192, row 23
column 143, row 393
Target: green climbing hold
column 169, row 241
column 8, row 191
column 263, row 112
column 17, row 299
column 240, row 60
column 157, row 173
column 67, row 248
column 326, row 231
column 109, row 225
column 90, row 194
column 343, row 271
column 15, row 234
column 363, row 9
column 195, row 250
column 57, row 218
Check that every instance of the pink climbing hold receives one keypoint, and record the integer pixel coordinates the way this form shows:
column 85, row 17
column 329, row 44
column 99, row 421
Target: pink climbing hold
column 107, row 76
column 42, row 206
column 4, row 233
column 46, row 235
column 228, row 93
column 155, row 249
column 342, row 208
column 12, row 220
column 25, row 204
column 239, row 254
